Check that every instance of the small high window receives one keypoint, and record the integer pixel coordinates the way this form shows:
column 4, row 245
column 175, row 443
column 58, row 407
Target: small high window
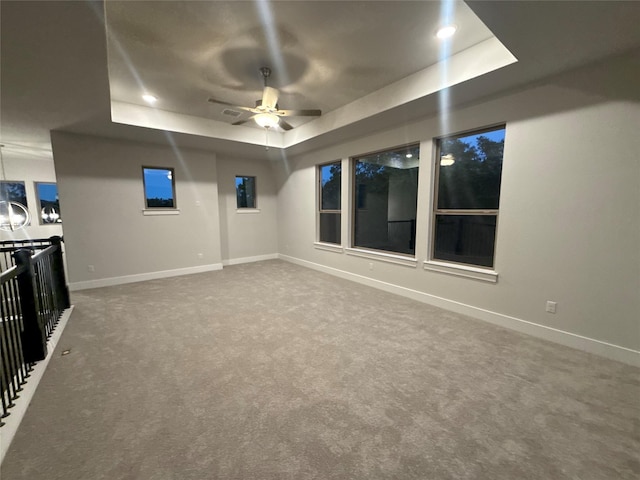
column 467, row 197
column 385, row 200
column 246, row 192
column 48, row 202
column 159, row 187
column 329, row 202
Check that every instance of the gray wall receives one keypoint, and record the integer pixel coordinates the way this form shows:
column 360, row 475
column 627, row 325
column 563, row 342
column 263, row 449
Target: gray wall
column 247, row 234
column 102, row 197
column 569, row 223
column 101, row 194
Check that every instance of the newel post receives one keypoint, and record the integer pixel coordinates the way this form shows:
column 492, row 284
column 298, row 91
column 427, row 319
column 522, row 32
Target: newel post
column 34, row 340
column 58, row 272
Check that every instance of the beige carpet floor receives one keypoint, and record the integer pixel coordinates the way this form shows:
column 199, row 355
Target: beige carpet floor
column 273, row 371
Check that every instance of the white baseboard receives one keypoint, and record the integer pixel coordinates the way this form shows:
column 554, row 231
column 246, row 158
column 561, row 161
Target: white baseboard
column 258, row 258
column 16, row 413
column 141, row 277
column 568, row 339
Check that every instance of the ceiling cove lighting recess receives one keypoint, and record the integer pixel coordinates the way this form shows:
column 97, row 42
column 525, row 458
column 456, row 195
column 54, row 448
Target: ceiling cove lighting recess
column 147, row 97
column 446, row 32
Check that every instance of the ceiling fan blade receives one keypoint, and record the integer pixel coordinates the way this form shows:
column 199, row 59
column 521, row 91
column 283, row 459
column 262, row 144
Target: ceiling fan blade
column 284, row 125
column 240, row 122
column 269, row 97
column 299, row 113
column 236, row 107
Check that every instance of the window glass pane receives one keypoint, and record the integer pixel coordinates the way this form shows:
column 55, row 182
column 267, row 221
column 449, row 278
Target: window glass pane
column 331, row 179
column 470, row 171
column 386, row 193
column 14, row 211
column 330, row 227
column 13, row 192
column 159, row 187
column 49, row 203
column 465, row 239
column 246, row 192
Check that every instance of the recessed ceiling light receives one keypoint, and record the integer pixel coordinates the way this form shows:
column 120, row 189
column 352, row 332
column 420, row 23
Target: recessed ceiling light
column 409, row 155
column 446, row 31
column 147, row 97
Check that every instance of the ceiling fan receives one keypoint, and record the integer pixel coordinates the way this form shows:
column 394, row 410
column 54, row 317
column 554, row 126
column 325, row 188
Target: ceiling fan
column 267, row 113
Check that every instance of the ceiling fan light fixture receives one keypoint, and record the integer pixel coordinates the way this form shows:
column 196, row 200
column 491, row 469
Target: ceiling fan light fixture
column 447, row 160
column 267, row 120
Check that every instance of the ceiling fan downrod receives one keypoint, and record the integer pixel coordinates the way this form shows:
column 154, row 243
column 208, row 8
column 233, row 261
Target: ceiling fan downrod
column 266, row 73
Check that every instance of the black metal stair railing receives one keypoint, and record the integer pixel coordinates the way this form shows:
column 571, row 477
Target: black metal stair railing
column 34, row 295
column 8, row 248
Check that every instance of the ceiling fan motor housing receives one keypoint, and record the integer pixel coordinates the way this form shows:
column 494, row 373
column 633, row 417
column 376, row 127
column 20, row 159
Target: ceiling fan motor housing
column 269, row 100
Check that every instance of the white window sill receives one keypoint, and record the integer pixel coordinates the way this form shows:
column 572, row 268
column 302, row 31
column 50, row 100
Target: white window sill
column 248, row 210
column 462, row 271
column 330, row 247
column 382, row 256
column 149, row 211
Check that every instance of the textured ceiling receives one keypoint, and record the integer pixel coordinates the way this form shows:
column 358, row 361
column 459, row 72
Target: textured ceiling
column 323, row 54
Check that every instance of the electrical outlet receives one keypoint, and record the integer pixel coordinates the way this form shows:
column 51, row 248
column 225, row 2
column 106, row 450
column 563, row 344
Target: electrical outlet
column 91, row 268
column 200, row 256
column 551, row 306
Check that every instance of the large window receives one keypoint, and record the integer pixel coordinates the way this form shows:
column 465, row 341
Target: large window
column 159, row 187
column 329, row 202
column 467, row 197
column 385, row 200
column 246, row 192
column 48, row 202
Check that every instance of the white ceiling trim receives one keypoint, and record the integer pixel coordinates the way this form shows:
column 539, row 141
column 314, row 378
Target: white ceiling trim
column 141, row 116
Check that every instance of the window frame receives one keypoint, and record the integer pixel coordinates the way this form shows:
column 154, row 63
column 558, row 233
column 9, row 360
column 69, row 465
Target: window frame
column 255, row 193
column 147, row 207
column 368, row 252
column 319, row 209
column 441, row 264
column 39, row 203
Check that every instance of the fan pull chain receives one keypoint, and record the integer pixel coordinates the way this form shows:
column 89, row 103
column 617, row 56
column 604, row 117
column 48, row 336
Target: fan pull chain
column 266, row 138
